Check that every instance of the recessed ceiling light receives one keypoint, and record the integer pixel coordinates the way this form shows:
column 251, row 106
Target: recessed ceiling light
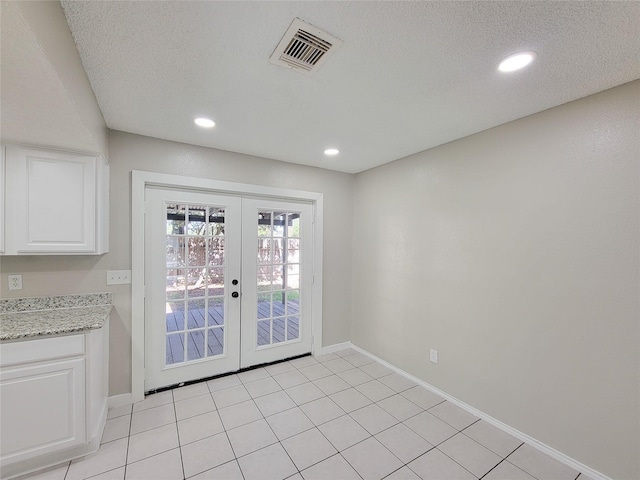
column 516, row 61
column 204, row 122
column 331, row 152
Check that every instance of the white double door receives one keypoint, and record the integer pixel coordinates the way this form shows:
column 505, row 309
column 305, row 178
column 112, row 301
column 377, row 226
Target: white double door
column 228, row 283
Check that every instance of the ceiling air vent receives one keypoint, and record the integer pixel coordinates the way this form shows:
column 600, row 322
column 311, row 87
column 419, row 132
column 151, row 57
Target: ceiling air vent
column 304, row 47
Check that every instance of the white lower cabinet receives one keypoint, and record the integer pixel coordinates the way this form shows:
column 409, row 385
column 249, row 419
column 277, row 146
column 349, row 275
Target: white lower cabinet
column 53, row 394
column 55, row 202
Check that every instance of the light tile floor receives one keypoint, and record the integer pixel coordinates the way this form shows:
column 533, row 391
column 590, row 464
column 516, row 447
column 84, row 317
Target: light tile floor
column 339, row 416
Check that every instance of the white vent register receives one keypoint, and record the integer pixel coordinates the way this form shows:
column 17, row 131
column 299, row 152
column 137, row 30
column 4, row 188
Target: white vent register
column 304, row 47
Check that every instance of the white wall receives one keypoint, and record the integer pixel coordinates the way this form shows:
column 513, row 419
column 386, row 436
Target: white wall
column 515, row 253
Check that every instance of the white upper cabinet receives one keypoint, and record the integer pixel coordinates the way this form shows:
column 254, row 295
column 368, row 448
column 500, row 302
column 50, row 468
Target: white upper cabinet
column 55, row 202
column 2, row 180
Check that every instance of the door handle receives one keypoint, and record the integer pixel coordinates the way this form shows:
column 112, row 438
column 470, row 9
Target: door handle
column 235, row 294
column 234, row 281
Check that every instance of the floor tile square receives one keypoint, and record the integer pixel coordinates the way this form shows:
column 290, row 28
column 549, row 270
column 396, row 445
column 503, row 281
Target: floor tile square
column 119, row 411
column 226, row 471
column 230, row 396
column 290, row 379
column 404, row 473
column 166, row 466
column 346, row 352
column 274, row 403
column 371, row 459
column 338, row 365
column 109, row 457
column 223, row 382
column 262, row 387
column 373, row 418
column 508, row 471
column 333, row 468
column 152, row 442
column 189, row 391
column 359, row 360
column 308, row 448
column 350, row 400
column 251, row 437
column 540, row 465
column 400, row 407
column 397, row 382
column 253, row 375
column 197, row 428
column 205, row 454
column 326, row 357
column 331, row 385
column 431, row 428
column 343, row 432
column 305, row 392
column 154, row 400
column 403, row 442
column 422, row 397
column 289, row 423
column 194, row 406
column 269, row 463
column 375, row 370
column 115, row 474
column 453, row 415
column 355, row 376
column 470, row 454
column 305, row 361
column 152, row 418
column 314, row 372
column 278, row 368
column 375, row 391
column 493, row 438
column 322, row 410
column 435, row 464
column 116, row 428
column 239, row 414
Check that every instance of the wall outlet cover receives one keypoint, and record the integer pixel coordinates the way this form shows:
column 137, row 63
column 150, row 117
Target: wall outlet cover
column 433, row 355
column 15, row 282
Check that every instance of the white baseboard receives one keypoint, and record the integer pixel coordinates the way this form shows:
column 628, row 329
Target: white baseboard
column 336, row 347
column 552, row 452
column 119, row 400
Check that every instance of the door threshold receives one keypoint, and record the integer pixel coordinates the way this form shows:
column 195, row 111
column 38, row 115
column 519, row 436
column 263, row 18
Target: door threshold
column 206, row 379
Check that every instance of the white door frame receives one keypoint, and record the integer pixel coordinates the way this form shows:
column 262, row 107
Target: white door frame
column 139, row 181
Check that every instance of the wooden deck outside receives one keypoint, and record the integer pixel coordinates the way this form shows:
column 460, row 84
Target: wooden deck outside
column 215, row 343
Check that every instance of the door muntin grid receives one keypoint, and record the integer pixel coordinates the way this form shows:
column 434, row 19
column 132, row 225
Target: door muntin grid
column 195, row 283
column 278, row 278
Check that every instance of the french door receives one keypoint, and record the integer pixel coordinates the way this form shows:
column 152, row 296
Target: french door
column 228, row 283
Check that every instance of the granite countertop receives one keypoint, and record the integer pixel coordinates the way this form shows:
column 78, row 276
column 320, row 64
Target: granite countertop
column 22, row 318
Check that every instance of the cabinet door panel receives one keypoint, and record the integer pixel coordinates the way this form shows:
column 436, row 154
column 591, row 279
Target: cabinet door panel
column 54, row 200
column 33, row 423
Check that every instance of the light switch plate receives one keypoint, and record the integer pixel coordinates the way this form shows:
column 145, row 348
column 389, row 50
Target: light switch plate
column 118, row 277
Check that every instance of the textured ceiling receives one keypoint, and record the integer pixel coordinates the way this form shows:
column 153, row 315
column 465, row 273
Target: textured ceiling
column 36, row 107
column 409, row 76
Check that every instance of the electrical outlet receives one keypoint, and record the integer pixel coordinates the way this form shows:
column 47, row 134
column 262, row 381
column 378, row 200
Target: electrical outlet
column 433, row 355
column 118, row 277
column 15, row 282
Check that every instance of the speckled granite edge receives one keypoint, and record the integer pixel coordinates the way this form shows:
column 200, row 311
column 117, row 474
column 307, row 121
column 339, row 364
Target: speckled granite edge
column 57, row 321
column 29, row 304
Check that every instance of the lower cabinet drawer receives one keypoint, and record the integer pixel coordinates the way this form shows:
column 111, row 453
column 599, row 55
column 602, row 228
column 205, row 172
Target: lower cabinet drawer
column 43, row 349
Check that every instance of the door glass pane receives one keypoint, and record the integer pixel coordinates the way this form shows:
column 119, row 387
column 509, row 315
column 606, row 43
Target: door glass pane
column 195, row 345
column 175, row 349
column 195, row 277
column 292, row 328
column 264, row 332
column 215, row 341
column 278, row 272
column 216, row 311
